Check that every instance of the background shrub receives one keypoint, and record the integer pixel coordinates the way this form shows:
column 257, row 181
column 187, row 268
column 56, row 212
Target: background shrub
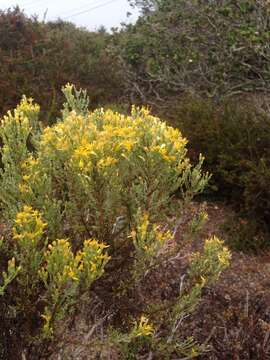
column 37, row 55
column 213, row 48
column 235, row 138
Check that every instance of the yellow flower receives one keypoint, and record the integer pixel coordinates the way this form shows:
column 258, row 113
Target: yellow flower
column 26, row 177
column 23, row 188
column 224, row 257
column 163, row 236
column 48, row 136
column 81, row 164
column 162, row 150
column 84, row 150
column 143, row 328
column 107, row 162
column 144, row 226
column 128, row 144
column 93, row 266
column 72, row 275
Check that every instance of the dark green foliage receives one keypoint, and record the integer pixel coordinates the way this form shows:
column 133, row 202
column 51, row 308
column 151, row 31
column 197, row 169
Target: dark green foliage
column 38, row 58
column 247, row 235
column 215, row 48
column 235, row 139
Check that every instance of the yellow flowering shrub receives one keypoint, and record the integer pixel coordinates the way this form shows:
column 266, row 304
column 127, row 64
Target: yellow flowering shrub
column 52, row 270
column 28, row 235
column 129, row 344
column 91, row 168
column 92, row 187
column 205, row 268
column 64, row 272
column 209, row 264
column 92, row 261
column 149, row 240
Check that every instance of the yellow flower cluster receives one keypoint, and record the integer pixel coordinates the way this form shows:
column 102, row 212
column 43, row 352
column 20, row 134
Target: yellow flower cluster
column 163, row 152
column 143, row 328
column 162, row 236
column 64, row 272
column 106, row 138
column 175, row 138
column 65, row 137
column 29, row 226
column 208, row 265
column 27, row 106
column 106, row 162
column 9, row 275
column 31, row 171
column 143, row 226
column 22, row 116
column 216, row 246
column 92, row 260
column 17, row 120
column 148, row 237
column 30, row 162
column 23, row 188
column 62, row 265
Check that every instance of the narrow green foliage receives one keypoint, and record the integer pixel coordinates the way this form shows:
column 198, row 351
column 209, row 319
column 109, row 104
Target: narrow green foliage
column 149, row 240
column 9, row 275
column 96, row 188
column 15, row 131
column 63, row 274
column 76, row 100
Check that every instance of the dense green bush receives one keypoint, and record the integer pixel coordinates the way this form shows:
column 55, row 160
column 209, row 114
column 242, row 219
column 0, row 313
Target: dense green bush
column 106, row 176
column 37, row 58
column 214, row 48
column 236, row 140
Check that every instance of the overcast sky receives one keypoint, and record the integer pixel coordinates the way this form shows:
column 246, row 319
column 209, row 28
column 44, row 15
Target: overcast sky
column 88, row 13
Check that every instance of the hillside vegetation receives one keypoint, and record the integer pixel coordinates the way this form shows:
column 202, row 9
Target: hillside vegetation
column 104, row 191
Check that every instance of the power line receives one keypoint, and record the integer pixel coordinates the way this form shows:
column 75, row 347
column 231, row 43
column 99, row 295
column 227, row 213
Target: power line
column 29, row 3
column 81, row 7
column 90, row 9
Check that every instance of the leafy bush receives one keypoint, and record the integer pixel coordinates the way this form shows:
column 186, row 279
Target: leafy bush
column 37, row 55
column 235, row 138
column 246, row 234
column 213, row 48
column 97, row 175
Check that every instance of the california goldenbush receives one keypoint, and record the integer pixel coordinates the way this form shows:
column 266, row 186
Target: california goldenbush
column 84, row 203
